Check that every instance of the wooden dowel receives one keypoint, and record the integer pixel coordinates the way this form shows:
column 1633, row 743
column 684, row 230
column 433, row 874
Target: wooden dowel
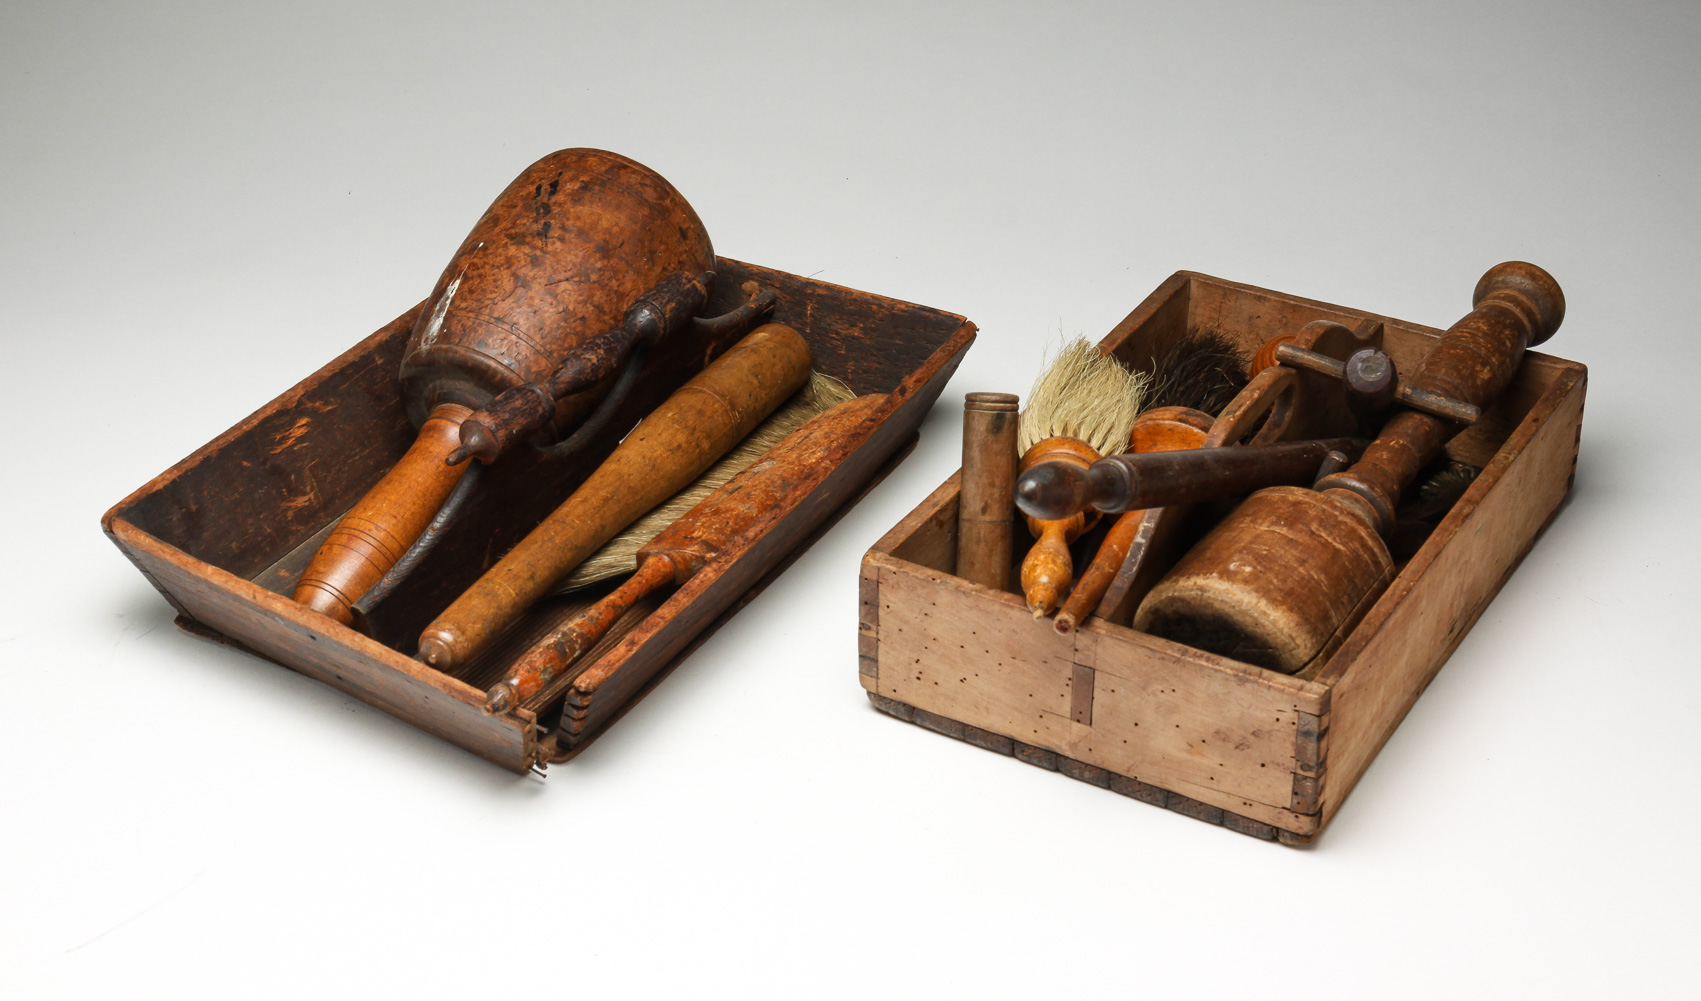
column 986, row 519
column 665, row 452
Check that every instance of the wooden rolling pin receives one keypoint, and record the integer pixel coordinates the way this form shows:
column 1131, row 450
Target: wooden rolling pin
column 747, row 503
column 665, row 452
column 1280, row 581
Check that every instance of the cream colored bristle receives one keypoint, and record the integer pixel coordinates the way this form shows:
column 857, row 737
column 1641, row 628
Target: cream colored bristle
column 616, row 558
column 1086, row 395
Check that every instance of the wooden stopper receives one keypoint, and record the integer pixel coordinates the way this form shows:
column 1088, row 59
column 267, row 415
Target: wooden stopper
column 375, row 533
column 985, row 514
column 1048, row 569
column 665, row 452
column 1273, row 583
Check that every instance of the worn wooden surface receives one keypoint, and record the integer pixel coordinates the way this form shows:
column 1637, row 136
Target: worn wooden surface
column 1231, row 743
column 249, row 504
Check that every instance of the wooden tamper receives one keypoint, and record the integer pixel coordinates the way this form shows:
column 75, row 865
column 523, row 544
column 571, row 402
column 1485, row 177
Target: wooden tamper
column 1281, row 581
column 586, row 256
column 986, row 517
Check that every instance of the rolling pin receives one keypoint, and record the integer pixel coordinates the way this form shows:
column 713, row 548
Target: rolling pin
column 533, row 284
column 747, row 503
column 1280, row 581
column 665, row 452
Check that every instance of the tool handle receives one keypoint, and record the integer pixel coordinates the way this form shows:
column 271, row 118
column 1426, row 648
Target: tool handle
column 667, row 450
column 375, row 533
column 1516, row 305
column 1048, row 569
column 1161, row 429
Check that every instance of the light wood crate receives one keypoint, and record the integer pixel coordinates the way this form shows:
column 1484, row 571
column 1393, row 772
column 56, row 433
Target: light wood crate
column 1266, row 754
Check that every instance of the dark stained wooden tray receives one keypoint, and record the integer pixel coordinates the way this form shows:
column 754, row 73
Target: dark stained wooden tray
column 224, row 533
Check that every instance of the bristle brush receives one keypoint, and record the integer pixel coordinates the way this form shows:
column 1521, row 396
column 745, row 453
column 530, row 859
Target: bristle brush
column 1081, row 407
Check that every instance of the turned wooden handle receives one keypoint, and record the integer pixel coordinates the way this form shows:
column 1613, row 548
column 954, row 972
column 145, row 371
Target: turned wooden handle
column 748, row 504
column 1048, row 569
column 1516, row 305
column 665, row 452
column 1161, row 429
column 375, row 533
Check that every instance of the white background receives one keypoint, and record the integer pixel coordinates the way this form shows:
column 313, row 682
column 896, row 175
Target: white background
column 200, row 204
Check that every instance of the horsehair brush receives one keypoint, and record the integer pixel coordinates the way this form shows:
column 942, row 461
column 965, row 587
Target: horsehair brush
column 1203, row 371
column 618, row 557
column 1081, row 407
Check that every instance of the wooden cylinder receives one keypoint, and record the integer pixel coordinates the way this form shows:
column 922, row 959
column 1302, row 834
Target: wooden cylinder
column 986, row 521
column 1273, row 583
column 375, row 533
column 665, row 452
column 1048, row 569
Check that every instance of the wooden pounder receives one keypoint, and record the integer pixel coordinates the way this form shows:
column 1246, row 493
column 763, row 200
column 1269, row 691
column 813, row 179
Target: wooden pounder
column 1281, row 581
column 664, row 453
column 784, row 475
column 532, row 284
column 1048, row 569
column 986, row 517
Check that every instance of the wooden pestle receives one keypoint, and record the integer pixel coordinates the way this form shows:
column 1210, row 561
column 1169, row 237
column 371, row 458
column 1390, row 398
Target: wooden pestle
column 665, row 452
column 986, row 518
column 1160, row 429
column 532, row 285
column 782, row 477
column 1280, row 581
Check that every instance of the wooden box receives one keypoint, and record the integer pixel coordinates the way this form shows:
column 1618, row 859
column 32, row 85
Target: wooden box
column 1264, row 753
column 225, row 533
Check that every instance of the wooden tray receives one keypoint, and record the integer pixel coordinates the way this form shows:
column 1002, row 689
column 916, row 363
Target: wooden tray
column 1267, row 754
column 225, row 533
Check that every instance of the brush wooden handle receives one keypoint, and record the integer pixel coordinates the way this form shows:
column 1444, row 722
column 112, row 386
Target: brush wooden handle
column 1161, row 429
column 1048, row 569
column 667, row 450
column 375, row 533
column 748, row 502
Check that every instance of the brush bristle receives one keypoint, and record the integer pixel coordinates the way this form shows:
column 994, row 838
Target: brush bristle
column 616, row 557
column 1085, row 395
column 1203, row 370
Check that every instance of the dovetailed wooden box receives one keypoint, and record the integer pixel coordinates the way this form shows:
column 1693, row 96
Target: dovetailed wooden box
column 225, row 533
column 1266, row 754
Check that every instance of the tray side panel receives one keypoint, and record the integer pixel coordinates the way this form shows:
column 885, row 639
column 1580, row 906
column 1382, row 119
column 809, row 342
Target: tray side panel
column 1411, row 631
column 282, row 631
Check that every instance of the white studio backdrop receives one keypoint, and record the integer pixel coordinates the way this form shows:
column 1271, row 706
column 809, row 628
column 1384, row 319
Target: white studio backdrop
column 203, row 203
